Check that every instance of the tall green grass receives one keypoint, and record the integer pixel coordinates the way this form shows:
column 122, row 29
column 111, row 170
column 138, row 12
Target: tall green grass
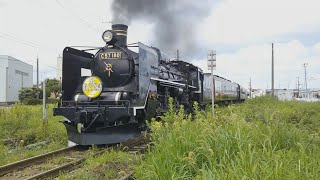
column 21, row 126
column 260, row 139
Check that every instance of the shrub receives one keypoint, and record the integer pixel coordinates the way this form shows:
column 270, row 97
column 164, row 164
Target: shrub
column 31, row 93
column 52, row 100
column 32, row 101
column 28, row 93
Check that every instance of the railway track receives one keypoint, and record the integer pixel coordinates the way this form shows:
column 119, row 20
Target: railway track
column 51, row 164
column 27, row 168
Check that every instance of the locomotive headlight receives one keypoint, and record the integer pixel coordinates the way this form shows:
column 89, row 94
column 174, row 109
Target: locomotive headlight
column 92, row 86
column 125, row 95
column 108, row 36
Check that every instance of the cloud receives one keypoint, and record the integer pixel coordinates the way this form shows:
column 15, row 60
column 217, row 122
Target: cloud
column 316, row 49
column 255, row 62
column 252, row 21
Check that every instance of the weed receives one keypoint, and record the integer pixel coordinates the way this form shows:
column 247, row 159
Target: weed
column 260, row 139
column 22, row 125
column 110, row 165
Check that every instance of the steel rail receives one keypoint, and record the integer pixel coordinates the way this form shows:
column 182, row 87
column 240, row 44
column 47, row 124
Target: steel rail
column 133, row 145
column 52, row 173
column 30, row 161
column 136, row 145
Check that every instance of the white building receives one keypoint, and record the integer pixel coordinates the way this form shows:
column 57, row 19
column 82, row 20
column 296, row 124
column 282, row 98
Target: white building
column 312, row 95
column 295, row 94
column 59, row 67
column 257, row 92
column 14, row 74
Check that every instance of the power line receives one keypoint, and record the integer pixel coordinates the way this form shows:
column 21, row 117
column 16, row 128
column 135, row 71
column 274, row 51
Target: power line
column 28, row 43
column 10, row 37
column 55, row 68
column 81, row 20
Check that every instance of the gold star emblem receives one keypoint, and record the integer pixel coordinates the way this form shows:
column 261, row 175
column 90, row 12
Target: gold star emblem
column 108, row 68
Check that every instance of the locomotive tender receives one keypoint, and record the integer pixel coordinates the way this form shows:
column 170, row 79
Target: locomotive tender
column 125, row 89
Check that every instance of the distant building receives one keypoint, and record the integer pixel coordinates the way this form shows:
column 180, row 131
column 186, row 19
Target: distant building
column 295, row 94
column 257, row 92
column 14, row 74
column 312, row 94
column 59, row 67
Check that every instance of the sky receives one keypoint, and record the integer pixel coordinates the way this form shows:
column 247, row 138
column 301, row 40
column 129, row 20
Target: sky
column 240, row 31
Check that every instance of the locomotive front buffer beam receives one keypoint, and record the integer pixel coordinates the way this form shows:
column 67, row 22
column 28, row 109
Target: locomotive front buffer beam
column 81, row 122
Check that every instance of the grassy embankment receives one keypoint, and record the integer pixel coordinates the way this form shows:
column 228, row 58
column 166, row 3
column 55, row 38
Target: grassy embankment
column 21, row 126
column 260, row 139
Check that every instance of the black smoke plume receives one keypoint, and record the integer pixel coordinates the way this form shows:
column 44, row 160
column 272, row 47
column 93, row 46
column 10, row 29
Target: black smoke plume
column 174, row 21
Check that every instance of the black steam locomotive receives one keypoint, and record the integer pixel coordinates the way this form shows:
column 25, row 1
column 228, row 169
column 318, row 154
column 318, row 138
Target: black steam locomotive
column 125, row 89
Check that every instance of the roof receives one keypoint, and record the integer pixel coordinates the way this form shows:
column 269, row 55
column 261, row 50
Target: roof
column 10, row 58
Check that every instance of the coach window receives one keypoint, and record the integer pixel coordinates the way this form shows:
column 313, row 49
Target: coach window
column 194, row 78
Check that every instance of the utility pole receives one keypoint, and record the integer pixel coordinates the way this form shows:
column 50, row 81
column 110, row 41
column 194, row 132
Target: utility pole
column 38, row 93
column 178, row 55
column 212, row 66
column 272, row 73
column 305, row 78
column 45, row 118
column 298, row 86
column 250, row 87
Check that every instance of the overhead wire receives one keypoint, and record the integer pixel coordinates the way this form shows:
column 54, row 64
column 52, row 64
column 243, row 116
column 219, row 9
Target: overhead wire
column 81, row 20
column 39, row 47
column 28, row 43
column 10, row 37
column 18, row 40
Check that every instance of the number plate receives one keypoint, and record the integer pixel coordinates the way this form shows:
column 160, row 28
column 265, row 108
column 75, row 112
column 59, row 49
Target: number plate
column 111, row 55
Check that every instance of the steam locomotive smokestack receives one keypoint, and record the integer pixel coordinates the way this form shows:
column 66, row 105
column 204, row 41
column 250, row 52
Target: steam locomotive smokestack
column 121, row 31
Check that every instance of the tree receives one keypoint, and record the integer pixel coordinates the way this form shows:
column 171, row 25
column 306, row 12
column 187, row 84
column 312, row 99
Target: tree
column 53, row 86
column 27, row 93
column 31, row 93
